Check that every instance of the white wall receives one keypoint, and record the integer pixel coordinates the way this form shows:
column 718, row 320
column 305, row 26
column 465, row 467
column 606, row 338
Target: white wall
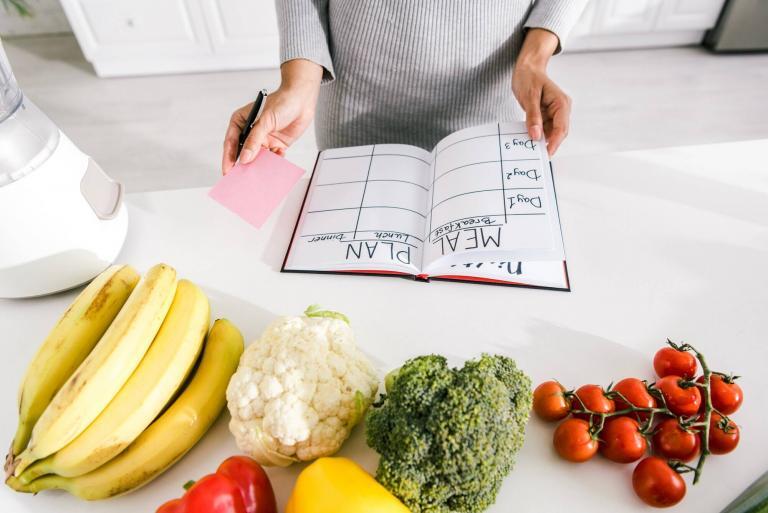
column 48, row 19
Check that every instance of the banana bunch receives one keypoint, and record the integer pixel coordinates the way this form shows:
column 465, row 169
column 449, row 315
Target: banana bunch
column 119, row 391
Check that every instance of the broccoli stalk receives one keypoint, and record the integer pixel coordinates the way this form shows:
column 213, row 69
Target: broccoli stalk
column 448, row 437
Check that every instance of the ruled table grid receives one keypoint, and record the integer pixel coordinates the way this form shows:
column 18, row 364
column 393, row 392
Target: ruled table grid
column 353, row 230
column 358, row 188
column 504, row 187
column 365, row 188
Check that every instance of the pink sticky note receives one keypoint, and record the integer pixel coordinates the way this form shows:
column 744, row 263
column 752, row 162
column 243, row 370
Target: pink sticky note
column 254, row 190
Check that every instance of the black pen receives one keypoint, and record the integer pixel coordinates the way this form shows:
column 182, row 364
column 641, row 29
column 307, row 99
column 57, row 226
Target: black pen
column 258, row 105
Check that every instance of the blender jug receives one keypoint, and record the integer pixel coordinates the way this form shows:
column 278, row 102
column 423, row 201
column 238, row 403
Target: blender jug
column 27, row 136
column 62, row 219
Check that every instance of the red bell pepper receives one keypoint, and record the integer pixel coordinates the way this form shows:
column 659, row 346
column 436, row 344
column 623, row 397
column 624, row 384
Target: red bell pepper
column 239, row 485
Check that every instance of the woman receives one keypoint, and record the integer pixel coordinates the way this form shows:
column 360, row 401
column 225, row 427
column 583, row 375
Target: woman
column 409, row 71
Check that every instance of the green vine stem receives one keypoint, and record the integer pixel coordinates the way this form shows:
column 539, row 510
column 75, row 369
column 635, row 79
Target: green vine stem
column 626, row 411
column 705, row 424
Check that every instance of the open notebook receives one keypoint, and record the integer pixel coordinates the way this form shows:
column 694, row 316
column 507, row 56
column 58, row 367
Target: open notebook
column 480, row 207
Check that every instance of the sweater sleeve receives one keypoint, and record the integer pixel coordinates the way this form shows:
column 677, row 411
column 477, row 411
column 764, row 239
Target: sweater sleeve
column 304, row 33
column 556, row 16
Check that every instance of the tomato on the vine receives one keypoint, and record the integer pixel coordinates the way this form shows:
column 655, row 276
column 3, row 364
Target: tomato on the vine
column 673, row 442
column 672, row 362
column 591, row 397
column 657, row 484
column 726, row 393
column 574, row 441
column 682, row 398
column 549, row 401
column 621, row 440
column 636, row 392
column 723, row 435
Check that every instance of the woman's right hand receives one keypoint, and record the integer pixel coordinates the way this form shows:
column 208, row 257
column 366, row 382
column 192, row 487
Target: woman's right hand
column 286, row 114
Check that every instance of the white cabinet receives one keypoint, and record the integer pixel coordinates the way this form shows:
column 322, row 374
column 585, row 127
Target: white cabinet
column 619, row 17
column 608, row 24
column 245, row 26
column 134, row 28
column 689, row 14
column 135, row 37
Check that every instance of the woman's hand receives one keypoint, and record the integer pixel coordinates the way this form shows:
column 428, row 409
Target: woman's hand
column 546, row 106
column 286, row 114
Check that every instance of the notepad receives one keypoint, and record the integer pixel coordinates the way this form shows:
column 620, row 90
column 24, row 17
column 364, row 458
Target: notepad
column 480, row 207
column 254, row 190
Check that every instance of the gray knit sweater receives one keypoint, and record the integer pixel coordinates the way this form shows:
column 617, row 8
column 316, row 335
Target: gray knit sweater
column 413, row 71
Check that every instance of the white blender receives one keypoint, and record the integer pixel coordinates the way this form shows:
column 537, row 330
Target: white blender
column 62, row 219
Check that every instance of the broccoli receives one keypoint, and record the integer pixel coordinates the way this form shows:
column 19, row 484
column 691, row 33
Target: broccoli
column 447, row 437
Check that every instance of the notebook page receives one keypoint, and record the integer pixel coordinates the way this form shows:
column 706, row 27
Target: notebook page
column 364, row 211
column 546, row 274
column 492, row 195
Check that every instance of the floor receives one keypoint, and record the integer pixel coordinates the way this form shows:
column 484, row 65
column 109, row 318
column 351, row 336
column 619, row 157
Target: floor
column 165, row 132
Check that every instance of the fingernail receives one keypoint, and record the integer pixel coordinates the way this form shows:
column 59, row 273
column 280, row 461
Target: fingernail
column 536, row 132
column 246, row 156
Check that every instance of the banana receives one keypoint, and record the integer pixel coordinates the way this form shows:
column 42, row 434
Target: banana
column 142, row 398
column 67, row 345
column 169, row 437
column 105, row 370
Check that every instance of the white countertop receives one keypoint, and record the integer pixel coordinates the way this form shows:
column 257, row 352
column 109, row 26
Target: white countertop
column 663, row 243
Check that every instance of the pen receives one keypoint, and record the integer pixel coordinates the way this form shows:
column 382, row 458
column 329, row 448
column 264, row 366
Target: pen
column 258, row 105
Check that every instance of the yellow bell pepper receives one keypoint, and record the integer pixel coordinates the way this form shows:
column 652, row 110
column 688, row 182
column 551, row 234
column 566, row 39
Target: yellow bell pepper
column 339, row 485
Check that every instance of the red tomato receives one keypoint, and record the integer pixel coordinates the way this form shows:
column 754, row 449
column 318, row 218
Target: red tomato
column 594, row 399
column 723, row 436
column 680, row 401
column 635, row 391
column 673, row 442
column 671, row 362
column 726, row 393
column 621, row 440
column 657, row 484
column 573, row 441
column 549, row 401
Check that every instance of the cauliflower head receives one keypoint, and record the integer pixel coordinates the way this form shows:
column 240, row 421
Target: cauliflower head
column 300, row 389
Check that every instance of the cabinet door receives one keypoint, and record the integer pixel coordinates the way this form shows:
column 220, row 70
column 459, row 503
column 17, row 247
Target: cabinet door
column 585, row 25
column 689, row 14
column 133, row 28
column 243, row 27
column 625, row 16
column 643, row 23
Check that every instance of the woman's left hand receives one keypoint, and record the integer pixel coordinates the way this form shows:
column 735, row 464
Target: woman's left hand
column 547, row 107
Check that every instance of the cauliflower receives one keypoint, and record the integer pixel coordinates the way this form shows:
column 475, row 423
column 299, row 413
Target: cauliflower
column 300, row 389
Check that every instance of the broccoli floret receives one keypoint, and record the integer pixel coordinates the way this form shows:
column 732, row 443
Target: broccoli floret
column 447, row 437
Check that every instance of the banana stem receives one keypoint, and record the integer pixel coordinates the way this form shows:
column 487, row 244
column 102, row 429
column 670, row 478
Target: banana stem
column 48, row 482
column 34, row 471
column 22, row 461
column 21, row 438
